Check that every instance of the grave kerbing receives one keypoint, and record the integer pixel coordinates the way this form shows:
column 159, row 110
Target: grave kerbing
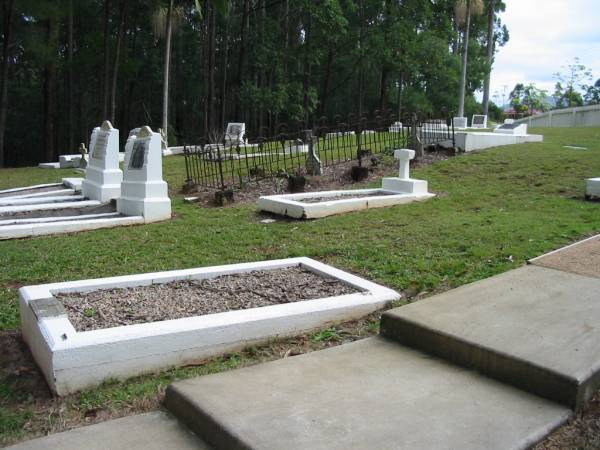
column 143, row 191
column 103, row 176
column 403, row 183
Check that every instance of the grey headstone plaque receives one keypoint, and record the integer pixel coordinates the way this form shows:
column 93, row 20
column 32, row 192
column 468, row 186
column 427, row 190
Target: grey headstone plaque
column 478, row 120
column 138, row 154
column 99, row 150
column 509, row 126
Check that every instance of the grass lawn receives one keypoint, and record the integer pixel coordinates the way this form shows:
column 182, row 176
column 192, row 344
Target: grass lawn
column 494, row 210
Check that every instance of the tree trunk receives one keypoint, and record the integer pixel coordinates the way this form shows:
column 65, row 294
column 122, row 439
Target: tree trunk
column 211, row 68
column 165, row 111
column 105, row 80
column 463, row 71
column 241, row 58
column 490, row 56
column 383, row 89
column 113, row 89
column 7, row 12
column 50, row 92
column 224, row 75
column 70, row 89
column 326, row 83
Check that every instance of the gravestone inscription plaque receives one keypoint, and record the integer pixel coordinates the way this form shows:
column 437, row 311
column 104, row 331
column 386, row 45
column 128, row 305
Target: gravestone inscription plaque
column 138, row 155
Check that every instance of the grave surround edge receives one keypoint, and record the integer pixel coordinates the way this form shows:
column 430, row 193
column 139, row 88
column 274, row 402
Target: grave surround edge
column 72, row 360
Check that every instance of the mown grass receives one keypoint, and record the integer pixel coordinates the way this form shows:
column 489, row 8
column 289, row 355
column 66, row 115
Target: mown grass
column 495, row 209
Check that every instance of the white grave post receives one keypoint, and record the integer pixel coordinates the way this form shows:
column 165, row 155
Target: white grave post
column 143, row 191
column 396, row 127
column 235, row 134
column 479, row 121
column 592, row 188
column 103, row 176
column 460, row 122
column 404, row 183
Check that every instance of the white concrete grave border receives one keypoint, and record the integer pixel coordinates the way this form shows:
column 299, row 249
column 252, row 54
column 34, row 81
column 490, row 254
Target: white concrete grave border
column 394, row 191
column 72, row 360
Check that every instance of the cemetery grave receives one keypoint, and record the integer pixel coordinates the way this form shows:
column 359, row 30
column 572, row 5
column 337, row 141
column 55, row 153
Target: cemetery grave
column 394, row 191
column 479, row 121
column 512, row 128
column 84, row 332
column 141, row 195
column 592, row 188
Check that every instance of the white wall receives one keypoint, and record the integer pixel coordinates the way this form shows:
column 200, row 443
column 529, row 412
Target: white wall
column 583, row 116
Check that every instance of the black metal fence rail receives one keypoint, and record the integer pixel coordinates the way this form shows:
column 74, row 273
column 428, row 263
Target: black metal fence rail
column 228, row 164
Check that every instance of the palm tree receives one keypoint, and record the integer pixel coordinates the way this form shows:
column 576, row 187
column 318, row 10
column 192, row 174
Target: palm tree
column 463, row 10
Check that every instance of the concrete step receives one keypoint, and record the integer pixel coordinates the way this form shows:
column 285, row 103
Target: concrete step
column 535, row 328
column 151, row 431
column 370, row 394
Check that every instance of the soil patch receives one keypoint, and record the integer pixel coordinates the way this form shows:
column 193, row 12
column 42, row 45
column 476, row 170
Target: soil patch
column 341, row 197
column 116, row 307
column 582, row 259
column 64, row 212
column 32, row 191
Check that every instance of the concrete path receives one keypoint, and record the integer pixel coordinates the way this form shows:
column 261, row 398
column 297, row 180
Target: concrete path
column 497, row 364
column 370, row 394
column 150, row 431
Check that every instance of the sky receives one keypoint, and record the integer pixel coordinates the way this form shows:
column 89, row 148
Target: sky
column 545, row 36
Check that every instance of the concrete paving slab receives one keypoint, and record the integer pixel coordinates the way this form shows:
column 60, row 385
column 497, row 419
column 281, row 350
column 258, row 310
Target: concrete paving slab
column 370, row 394
column 151, row 431
column 533, row 327
column 582, row 258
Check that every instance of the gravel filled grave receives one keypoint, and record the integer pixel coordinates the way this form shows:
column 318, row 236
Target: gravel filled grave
column 175, row 300
column 343, row 197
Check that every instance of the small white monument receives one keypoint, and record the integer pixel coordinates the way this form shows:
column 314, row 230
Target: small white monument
column 512, row 128
column 235, row 134
column 592, row 188
column 143, row 191
column 509, row 121
column 103, row 176
column 460, row 122
column 396, row 127
column 404, row 183
column 479, row 121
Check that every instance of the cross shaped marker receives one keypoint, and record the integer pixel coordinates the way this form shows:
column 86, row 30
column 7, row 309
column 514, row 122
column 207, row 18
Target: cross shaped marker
column 404, row 155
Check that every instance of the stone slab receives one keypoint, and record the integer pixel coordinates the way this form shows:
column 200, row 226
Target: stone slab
column 533, row 327
column 151, row 431
column 370, row 394
column 582, row 258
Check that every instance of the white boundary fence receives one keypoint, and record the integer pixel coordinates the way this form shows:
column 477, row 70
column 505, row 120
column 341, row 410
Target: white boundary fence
column 582, row 116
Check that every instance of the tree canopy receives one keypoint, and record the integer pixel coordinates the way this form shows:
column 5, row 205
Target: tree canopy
column 72, row 63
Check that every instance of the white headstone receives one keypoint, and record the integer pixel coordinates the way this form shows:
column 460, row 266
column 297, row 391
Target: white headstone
column 404, row 183
column 143, row 191
column 512, row 128
column 103, row 176
column 235, row 134
column 460, row 122
column 396, row 127
column 479, row 121
column 509, row 121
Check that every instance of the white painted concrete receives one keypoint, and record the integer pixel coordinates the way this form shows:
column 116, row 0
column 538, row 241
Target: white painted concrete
column 35, row 200
column 470, row 141
column 48, row 206
column 56, row 219
column 291, row 205
column 592, row 188
column 581, row 116
column 69, row 225
column 16, row 191
column 519, row 129
column 460, row 122
column 143, row 191
column 235, row 134
column 69, row 161
column 72, row 360
column 49, row 165
column 103, row 176
column 479, row 121
column 73, row 183
column 394, row 191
